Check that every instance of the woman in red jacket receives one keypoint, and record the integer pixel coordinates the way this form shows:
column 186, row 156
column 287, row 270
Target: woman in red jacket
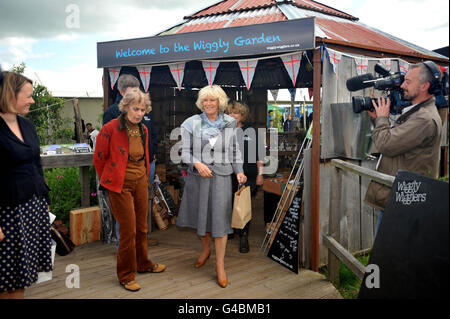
column 122, row 164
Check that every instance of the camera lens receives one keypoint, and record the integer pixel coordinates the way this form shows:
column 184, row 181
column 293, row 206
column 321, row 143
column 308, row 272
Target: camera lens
column 361, row 103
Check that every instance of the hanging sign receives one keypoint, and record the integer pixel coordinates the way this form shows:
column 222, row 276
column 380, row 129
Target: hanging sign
column 144, row 73
column 257, row 39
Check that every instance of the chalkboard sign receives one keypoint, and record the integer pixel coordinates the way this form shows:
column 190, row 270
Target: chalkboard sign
column 409, row 258
column 284, row 248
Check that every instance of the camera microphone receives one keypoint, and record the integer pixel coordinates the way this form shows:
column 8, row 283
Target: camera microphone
column 359, row 82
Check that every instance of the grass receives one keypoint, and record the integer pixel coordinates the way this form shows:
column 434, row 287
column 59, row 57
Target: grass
column 349, row 283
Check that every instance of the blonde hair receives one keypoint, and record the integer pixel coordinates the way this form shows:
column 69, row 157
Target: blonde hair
column 238, row 107
column 135, row 96
column 10, row 86
column 213, row 91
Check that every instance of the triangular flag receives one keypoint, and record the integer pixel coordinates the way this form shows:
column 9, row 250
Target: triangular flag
column 274, row 95
column 334, row 57
column 292, row 65
column 403, row 66
column 144, row 73
column 114, row 75
column 210, row 69
column 248, row 71
column 177, row 70
column 362, row 65
column 386, row 63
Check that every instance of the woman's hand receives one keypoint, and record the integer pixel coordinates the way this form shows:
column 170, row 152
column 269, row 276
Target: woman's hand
column 259, row 180
column 241, row 178
column 1, row 235
column 203, row 170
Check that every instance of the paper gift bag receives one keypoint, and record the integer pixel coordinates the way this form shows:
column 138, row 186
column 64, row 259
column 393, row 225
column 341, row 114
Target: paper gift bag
column 242, row 209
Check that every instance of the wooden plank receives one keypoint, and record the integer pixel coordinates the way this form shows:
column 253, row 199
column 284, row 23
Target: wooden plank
column 334, row 225
column 351, row 208
column 351, row 262
column 67, row 160
column 385, row 179
column 367, row 212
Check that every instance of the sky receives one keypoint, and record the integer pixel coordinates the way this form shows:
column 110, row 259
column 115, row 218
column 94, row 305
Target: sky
column 57, row 39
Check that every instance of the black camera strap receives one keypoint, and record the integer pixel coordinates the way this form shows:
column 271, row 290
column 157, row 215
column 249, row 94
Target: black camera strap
column 402, row 119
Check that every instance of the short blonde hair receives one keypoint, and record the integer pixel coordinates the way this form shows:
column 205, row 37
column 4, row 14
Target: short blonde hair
column 213, row 91
column 10, row 85
column 238, row 107
column 135, row 96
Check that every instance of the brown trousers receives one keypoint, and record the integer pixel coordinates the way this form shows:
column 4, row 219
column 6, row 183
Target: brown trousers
column 130, row 208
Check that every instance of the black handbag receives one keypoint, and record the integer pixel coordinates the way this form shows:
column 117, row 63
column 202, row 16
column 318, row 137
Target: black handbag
column 64, row 245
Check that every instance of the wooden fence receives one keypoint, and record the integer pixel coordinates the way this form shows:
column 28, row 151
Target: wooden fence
column 336, row 252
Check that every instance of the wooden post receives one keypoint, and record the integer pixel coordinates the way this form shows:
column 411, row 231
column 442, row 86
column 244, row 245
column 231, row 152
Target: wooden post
column 334, row 229
column 315, row 163
column 78, row 130
column 106, row 85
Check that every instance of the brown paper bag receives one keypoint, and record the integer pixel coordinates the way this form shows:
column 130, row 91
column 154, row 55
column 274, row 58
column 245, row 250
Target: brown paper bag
column 242, row 209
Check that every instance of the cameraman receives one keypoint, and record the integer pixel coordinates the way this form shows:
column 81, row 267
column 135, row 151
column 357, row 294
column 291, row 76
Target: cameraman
column 413, row 142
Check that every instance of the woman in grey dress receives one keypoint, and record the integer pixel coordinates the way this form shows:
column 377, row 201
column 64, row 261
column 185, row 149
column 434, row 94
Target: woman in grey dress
column 210, row 149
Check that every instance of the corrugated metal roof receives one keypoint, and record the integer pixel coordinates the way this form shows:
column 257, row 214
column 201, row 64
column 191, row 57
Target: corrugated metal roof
column 330, row 23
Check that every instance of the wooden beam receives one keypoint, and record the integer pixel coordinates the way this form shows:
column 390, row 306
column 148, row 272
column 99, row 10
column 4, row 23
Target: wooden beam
column 340, row 252
column 381, row 178
column 67, row 160
column 379, row 52
column 315, row 162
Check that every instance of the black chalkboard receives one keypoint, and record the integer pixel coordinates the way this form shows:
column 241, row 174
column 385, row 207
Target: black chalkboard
column 284, row 248
column 411, row 248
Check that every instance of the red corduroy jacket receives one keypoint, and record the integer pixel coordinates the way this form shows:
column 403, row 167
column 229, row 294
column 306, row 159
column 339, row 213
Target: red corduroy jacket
column 111, row 154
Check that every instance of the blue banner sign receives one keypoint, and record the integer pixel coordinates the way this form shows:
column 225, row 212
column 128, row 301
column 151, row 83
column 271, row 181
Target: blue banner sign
column 258, row 39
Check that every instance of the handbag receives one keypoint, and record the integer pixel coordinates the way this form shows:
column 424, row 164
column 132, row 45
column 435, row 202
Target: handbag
column 242, row 208
column 64, row 245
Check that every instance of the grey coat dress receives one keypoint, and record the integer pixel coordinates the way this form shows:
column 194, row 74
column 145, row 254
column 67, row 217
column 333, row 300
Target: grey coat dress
column 206, row 204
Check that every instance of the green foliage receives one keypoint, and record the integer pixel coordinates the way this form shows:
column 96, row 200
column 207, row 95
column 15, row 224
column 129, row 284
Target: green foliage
column 349, row 283
column 45, row 114
column 65, row 194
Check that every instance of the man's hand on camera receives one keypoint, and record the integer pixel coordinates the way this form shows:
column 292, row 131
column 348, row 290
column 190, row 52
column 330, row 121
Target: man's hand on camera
column 382, row 107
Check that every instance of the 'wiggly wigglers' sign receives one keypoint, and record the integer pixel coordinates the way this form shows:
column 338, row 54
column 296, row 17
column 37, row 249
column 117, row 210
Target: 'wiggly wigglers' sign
column 267, row 38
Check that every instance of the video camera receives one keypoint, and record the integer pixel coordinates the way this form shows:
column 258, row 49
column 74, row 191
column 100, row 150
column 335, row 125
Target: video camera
column 390, row 83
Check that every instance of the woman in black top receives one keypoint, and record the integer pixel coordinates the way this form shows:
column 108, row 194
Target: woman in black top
column 25, row 241
column 253, row 149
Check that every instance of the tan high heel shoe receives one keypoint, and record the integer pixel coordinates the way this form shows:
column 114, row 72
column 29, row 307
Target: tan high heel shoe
column 199, row 263
column 222, row 282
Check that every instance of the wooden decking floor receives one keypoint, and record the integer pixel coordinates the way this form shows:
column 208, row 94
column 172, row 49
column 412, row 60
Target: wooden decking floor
column 252, row 275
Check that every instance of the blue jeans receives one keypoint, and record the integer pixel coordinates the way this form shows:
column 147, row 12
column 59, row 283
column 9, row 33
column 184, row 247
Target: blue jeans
column 380, row 216
column 151, row 179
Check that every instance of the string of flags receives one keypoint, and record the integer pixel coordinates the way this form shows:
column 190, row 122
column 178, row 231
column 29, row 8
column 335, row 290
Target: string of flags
column 361, row 63
column 290, row 61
